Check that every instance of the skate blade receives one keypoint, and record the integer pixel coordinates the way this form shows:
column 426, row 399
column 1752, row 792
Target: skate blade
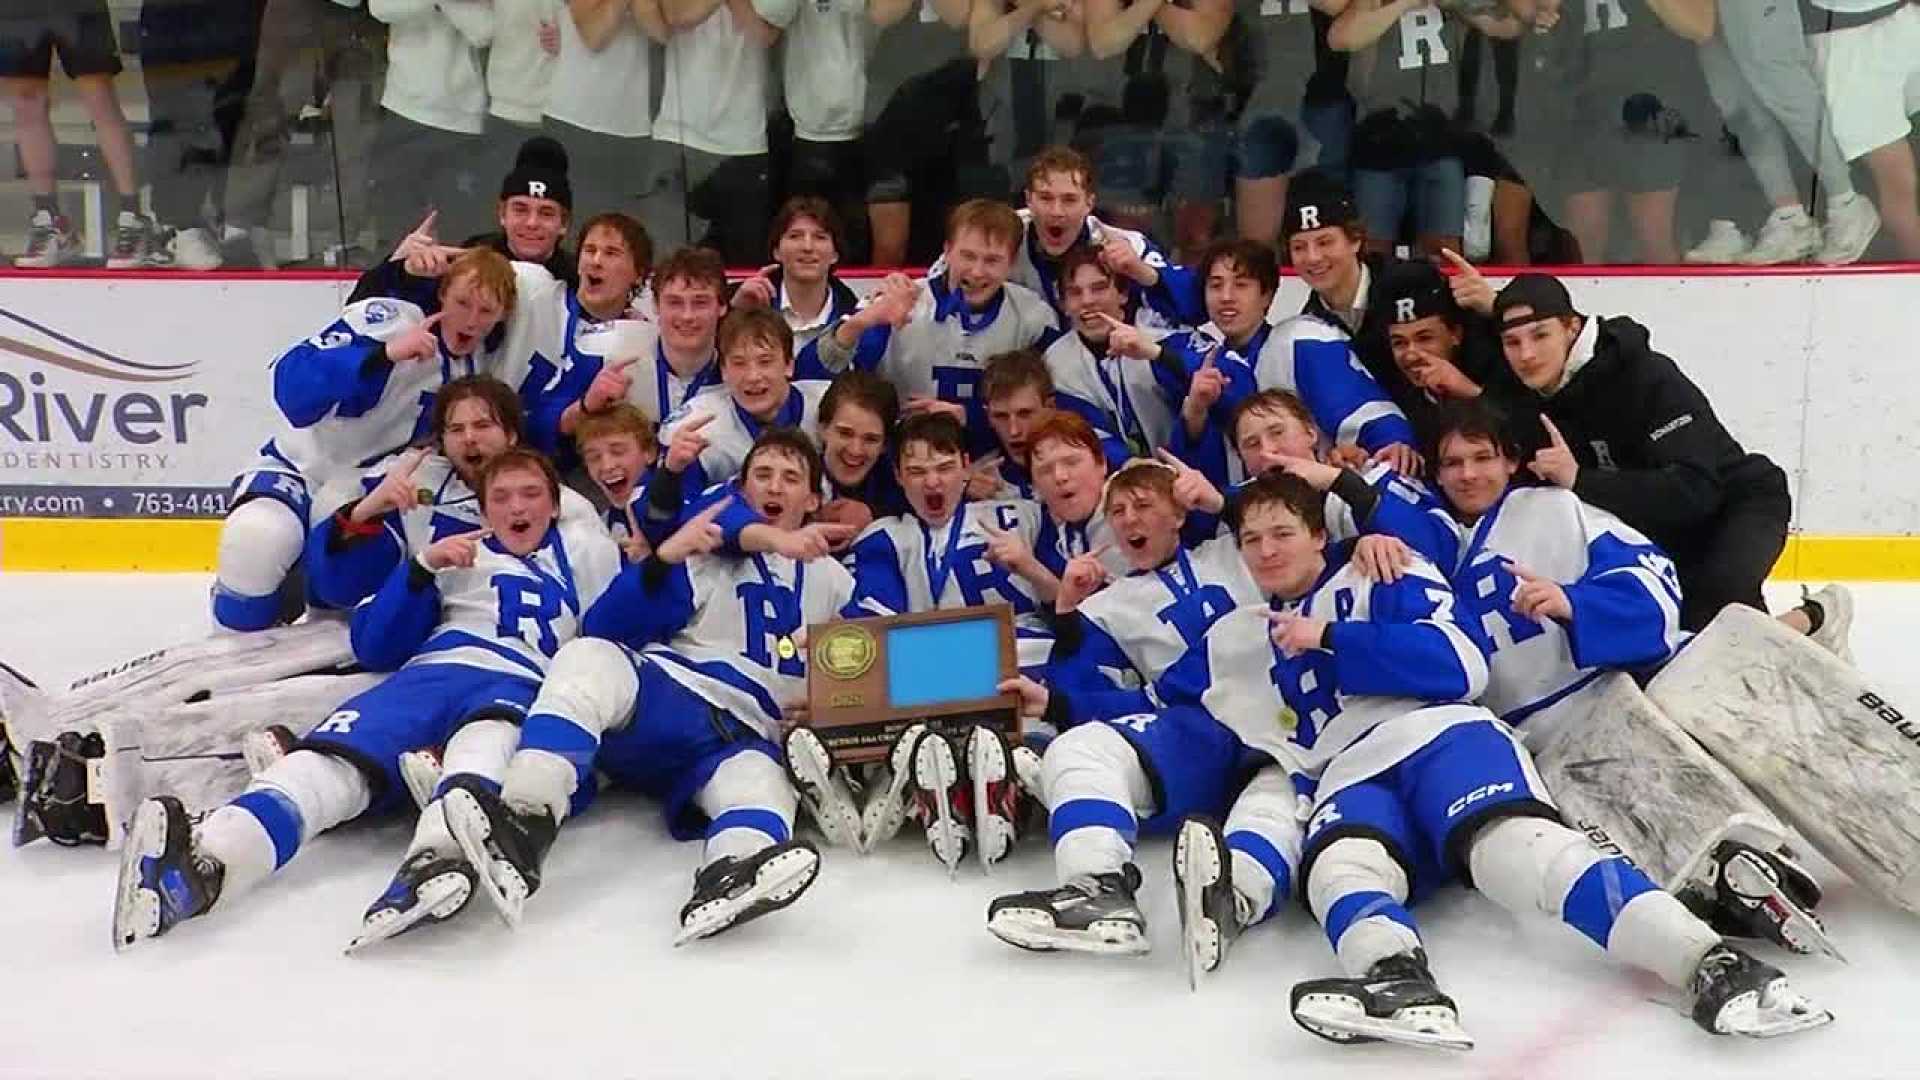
column 987, row 765
column 1199, row 936
column 885, row 812
column 1343, row 1020
column 826, row 798
column 1779, row 1011
column 1801, row 931
column 438, row 899
column 944, row 834
column 1038, row 934
column 778, row 882
column 136, row 909
column 260, row 750
column 420, row 771
column 471, row 830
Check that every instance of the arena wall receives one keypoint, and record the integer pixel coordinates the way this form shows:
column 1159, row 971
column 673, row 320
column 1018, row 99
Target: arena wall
column 128, row 401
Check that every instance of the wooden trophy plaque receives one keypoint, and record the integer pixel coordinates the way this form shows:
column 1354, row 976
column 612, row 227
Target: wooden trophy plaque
column 868, row 679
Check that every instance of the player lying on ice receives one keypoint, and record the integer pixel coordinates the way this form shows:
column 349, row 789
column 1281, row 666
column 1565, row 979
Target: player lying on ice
column 471, row 625
column 1355, row 689
column 675, row 695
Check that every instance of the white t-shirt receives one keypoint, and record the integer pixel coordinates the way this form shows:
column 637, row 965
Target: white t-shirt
column 519, row 71
column 715, row 98
column 824, row 60
column 609, row 91
column 433, row 61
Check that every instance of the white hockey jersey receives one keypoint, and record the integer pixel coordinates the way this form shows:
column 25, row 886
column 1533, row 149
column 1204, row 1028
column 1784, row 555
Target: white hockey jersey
column 1118, row 396
column 731, row 432
column 655, row 388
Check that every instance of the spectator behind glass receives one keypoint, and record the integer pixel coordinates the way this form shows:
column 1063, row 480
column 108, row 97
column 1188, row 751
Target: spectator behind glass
column 1408, row 176
column 80, row 32
column 311, row 51
column 1033, row 36
column 429, row 152
column 806, row 241
column 520, row 67
column 824, row 65
column 196, row 65
column 1760, row 73
column 1867, row 53
column 601, row 105
column 922, row 118
column 712, row 127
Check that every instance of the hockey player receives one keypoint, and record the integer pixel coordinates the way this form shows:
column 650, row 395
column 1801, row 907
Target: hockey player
column 930, row 340
column 857, row 413
column 800, row 283
column 659, row 366
column 1069, row 475
column 348, row 396
column 685, row 709
column 1107, row 369
column 1018, row 391
column 469, row 629
column 1355, row 687
column 618, row 449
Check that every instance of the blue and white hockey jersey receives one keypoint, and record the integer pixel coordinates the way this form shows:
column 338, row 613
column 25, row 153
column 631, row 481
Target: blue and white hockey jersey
column 1398, row 658
column 723, row 626
column 1174, row 301
column 505, row 613
column 1059, row 541
column 1123, row 399
column 655, row 388
column 732, row 431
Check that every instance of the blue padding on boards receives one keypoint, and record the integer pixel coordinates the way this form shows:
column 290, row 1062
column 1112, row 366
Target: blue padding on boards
column 940, row 662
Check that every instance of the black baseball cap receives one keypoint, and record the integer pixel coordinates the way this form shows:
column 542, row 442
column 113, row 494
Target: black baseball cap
column 539, row 172
column 1316, row 200
column 1543, row 293
column 1412, row 291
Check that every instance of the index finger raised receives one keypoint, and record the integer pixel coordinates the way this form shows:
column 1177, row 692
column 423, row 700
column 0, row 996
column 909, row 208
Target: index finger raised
column 1553, row 433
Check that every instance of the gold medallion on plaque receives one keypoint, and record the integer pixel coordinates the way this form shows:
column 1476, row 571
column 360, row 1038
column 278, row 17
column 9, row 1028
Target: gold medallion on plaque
column 846, row 651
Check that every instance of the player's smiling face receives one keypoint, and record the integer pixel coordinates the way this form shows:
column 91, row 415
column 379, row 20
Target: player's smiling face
column 1091, row 298
column 1266, row 436
column 1538, row 351
column 805, row 251
column 533, row 226
column 933, row 480
column 472, row 437
column 608, row 273
column 1013, row 414
column 977, row 265
column 1326, row 258
column 1283, row 555
column 616, row 462
column 1060, row 203
column 854, row 440
column 519, row 508
column 689, row 314
column 469, row 314
column 758, row 374
column 1146, row 523
column 1068, row 478
column 1473, row 473
column 776, row 483
column 1235, row 301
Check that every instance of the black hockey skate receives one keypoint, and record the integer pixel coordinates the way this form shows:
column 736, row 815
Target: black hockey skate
column 163, row 879
column 430, row 887
column 1398, row 1002
column 1734, row 994
column 1750, row 893
column 730, row 891
column 942, row 799
column 54, row 793
column 9, row 780
column 1094, row 913
column 823, row 789
column 886, row 807
column 505, row 846
column 999, row 798
column 1203, row 884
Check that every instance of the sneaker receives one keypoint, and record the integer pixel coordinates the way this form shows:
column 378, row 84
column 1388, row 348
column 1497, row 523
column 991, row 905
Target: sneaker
column 1852, row 223
column 138, row 243
column 1788, row 235
column 247, row 248
column 51, row 241
column 196, row 249
column 1725, row 243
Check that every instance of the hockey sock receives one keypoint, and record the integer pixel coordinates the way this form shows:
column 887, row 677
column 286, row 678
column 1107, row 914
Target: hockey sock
column 749, row 804
column 1263, row 835
column 591, row 688
column 299, row 797
column 480, row 749
column 1359, row 892
column 1260, row 874
column 259, row 543
column 1095, row 787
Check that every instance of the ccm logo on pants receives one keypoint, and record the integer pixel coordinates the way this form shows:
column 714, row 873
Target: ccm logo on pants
column 1475, row 796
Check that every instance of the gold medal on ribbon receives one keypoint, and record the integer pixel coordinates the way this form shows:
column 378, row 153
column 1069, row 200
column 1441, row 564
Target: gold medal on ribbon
column 786, row 648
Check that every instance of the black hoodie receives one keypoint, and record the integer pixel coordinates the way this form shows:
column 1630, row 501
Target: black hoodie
column 1649, row 446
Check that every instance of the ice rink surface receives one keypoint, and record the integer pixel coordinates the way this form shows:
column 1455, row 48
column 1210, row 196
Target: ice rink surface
column 883, row 969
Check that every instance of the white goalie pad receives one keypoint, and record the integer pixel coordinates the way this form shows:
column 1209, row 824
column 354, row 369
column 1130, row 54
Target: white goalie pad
column 1812, row 736
column 1635, row 783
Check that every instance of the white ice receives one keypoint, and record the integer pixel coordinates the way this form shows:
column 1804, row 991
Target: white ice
column 884, row 969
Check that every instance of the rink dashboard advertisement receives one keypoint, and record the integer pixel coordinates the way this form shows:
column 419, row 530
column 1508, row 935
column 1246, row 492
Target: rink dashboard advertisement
column 139, row 398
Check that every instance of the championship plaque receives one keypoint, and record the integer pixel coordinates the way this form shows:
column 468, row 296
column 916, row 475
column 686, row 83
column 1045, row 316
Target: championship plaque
column 869, row 679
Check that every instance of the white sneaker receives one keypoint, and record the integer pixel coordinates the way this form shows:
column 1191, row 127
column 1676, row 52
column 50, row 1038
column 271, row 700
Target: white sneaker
column 51, row 241
column 196, row 249
column 137, row 244
column 1788, row 236
column 1852, row 223
column 1725, row 243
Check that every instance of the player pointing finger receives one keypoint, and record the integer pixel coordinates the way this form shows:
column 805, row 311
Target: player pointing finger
column 1554, row 462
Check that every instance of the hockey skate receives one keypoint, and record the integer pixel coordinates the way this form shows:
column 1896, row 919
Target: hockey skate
column 261, row 749
column 1210, row 916
column 1750, row 893
column 1734, row 994
column 163, row 879
column 430, row 887
column 505, row 846
column 1397, row 1002
column 56, row 792
column 1836, row 614
column 730, row 891
column 420, row 771
column 998, row 798
column 886, row 808
column 823, row 789
column 942, row 800
column 9, row 780
column 1094, row 913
